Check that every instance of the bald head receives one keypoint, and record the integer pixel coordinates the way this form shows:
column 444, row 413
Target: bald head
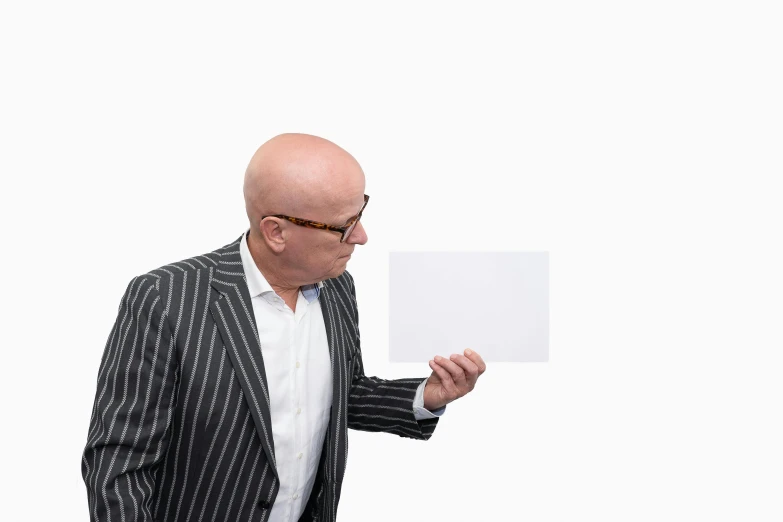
column 298, row 175
column 310, row 178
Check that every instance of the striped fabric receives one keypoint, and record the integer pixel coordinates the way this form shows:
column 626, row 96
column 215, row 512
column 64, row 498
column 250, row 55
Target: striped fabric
column 180, row 428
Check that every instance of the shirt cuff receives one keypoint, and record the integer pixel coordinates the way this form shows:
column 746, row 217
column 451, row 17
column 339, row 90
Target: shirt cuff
column 419, row 411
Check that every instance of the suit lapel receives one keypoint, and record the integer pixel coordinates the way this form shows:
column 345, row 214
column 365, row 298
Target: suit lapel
column 335, row 435
column 232, row 311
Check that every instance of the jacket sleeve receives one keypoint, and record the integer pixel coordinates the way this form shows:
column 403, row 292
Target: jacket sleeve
column 383, row 405
column 134, row 401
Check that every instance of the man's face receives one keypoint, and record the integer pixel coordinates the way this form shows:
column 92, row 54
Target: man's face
column 319, row 254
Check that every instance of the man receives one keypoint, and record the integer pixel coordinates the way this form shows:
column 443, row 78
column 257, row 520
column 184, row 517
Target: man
column 229, row 379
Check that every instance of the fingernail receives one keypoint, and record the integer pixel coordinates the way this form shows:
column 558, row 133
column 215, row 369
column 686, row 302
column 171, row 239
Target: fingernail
column 468, row 351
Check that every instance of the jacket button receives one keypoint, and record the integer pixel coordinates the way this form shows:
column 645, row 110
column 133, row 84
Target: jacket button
column 264, row 504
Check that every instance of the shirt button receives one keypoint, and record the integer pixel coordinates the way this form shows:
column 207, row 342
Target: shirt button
column 296, row 496
column 298, row 411
column 297, row 364
column 299, row 456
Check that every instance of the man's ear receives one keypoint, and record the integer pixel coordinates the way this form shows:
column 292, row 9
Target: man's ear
column 273, row 233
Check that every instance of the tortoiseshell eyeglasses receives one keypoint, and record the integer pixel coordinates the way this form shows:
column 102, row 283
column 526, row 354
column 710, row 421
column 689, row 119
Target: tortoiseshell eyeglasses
column 345, row 230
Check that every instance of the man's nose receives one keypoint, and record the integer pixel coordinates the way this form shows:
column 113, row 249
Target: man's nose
column 358, row 234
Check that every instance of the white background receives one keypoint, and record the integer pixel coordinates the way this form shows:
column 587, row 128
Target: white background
column 495, row 303
column 638, row 142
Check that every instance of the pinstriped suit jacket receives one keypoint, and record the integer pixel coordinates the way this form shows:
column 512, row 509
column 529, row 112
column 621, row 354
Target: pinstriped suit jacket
column 180, row 429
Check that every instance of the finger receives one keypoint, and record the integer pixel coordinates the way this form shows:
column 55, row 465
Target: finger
column 445, row 378
column 457, row 373
column 477, row 360
column 470, row 368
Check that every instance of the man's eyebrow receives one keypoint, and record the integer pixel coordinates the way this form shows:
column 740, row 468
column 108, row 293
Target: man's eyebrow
column 343, row 221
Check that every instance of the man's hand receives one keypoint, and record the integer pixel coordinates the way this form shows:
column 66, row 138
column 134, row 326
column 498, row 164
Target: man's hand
column 452, row 378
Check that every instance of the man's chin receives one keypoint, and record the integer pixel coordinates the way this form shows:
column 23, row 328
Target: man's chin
column 337, row 270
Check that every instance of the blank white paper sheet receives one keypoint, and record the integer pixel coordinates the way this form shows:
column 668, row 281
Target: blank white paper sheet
column 496, row 303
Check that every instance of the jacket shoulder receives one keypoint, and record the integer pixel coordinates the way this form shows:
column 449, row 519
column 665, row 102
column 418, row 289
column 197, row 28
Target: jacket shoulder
column 226, row 255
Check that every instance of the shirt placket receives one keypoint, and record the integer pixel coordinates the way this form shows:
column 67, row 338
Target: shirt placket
column 296, row 389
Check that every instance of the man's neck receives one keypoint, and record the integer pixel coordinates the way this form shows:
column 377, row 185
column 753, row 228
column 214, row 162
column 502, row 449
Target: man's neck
column 288, row 293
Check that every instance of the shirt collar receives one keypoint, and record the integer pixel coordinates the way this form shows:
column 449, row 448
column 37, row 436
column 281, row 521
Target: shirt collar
column 257, row 283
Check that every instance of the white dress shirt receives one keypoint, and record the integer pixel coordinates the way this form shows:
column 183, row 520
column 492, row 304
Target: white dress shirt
column 299, row 377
